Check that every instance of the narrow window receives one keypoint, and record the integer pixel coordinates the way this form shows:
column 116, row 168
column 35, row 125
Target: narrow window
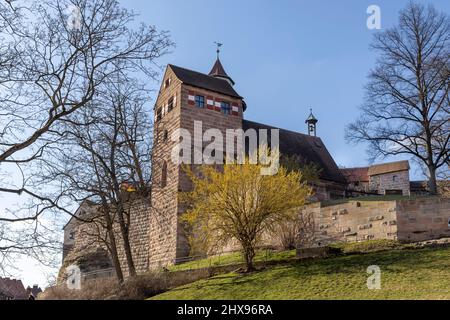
column 394, row 178
column 165, row 135
column 170, row 106
column 164, row 175
column 167, row 84
column 72, row 236
column 225, row 106
column 159, row 114
column 200, row 101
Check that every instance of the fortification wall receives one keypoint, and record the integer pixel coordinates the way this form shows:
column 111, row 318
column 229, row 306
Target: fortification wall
column 87, row 240
column 423, row 219
column 354, row 221
column 406, row 220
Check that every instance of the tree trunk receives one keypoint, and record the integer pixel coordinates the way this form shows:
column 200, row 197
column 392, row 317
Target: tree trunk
column 111, row 244
column 432, row 182
column 249, row 254
column 126, row 242
column 115, row 257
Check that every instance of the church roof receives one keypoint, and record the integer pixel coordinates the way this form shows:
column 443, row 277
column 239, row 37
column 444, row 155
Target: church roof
column 204, row 81
column 309, row 148
column 219, row 71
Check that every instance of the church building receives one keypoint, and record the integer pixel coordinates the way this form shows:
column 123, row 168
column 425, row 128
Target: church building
column 187, row 96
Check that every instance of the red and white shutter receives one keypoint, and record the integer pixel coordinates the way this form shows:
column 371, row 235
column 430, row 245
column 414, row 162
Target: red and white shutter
column 235, row 109
column 217, row 106
column 210, row 102
column 191, row 98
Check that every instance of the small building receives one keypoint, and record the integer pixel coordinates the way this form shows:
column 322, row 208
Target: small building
column 86, row 209
column 12, row 289
column 357, row 179
column 384, row 179
column 33, row 292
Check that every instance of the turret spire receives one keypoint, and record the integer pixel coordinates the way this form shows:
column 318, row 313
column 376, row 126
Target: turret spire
column 217, row 70
column 312, row 124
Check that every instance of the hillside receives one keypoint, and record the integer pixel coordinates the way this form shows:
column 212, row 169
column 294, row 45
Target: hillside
column 406, row 274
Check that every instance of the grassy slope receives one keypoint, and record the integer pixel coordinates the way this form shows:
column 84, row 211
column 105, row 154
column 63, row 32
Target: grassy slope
column 406, row 274
column 233, row 258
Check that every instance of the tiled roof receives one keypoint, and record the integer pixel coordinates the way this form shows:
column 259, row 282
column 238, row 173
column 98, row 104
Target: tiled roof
column 356, row 174
column 309, row 148
column 13, row 289
column 388, row 168
column 204, row 81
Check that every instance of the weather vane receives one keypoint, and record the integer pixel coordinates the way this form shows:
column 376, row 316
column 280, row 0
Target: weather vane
column 219, row 45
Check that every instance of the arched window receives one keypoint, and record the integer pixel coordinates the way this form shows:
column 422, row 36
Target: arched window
column 164, row 175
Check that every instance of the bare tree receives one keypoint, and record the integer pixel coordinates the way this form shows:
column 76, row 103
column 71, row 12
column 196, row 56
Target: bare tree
column 407, row 100
column 55, row 57
column 105, row 148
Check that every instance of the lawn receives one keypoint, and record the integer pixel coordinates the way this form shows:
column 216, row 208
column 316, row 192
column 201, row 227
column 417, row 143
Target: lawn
column 233, row 258
column 405, row 274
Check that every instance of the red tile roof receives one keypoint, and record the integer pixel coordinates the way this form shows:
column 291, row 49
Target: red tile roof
column 388, row 167
column 13, row 289
column 356, row 174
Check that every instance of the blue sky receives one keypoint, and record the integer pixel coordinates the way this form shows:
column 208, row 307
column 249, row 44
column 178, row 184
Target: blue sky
column 285, row 56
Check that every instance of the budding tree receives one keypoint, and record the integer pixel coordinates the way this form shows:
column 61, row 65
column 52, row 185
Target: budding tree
column 238, row 203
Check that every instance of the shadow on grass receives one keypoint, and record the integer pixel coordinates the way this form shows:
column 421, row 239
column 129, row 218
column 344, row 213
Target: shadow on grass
column 407, row 269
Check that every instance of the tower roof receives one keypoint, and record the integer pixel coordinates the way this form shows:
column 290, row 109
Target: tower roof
column 219, row 72
column 204, row 81
column 311, row 118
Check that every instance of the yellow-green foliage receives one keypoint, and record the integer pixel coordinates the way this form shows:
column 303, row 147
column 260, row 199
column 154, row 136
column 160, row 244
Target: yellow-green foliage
column 239, row 203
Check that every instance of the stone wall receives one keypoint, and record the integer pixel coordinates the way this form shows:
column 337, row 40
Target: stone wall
column 390, row 181
column 167, row 240
column 406, row 220
column 86, row 242
column 163, row 219
column 423, row 219
column 354, row 221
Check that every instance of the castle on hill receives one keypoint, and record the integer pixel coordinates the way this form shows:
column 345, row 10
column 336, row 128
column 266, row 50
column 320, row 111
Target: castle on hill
column 185, row 97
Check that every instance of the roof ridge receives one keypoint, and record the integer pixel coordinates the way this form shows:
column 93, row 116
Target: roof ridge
column 286, row 130
column 198, row 72
column 392, row 162
column 204, row 81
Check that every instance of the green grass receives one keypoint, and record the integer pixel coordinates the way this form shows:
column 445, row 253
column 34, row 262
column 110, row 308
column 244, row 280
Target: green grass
column 233, row 258
column 406, row 274
column 369, row 246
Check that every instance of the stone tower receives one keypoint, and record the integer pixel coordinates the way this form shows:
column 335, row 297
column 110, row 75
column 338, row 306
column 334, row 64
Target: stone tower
column 185, row 96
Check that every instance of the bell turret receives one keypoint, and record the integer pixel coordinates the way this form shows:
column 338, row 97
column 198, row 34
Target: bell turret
column 312, row 124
